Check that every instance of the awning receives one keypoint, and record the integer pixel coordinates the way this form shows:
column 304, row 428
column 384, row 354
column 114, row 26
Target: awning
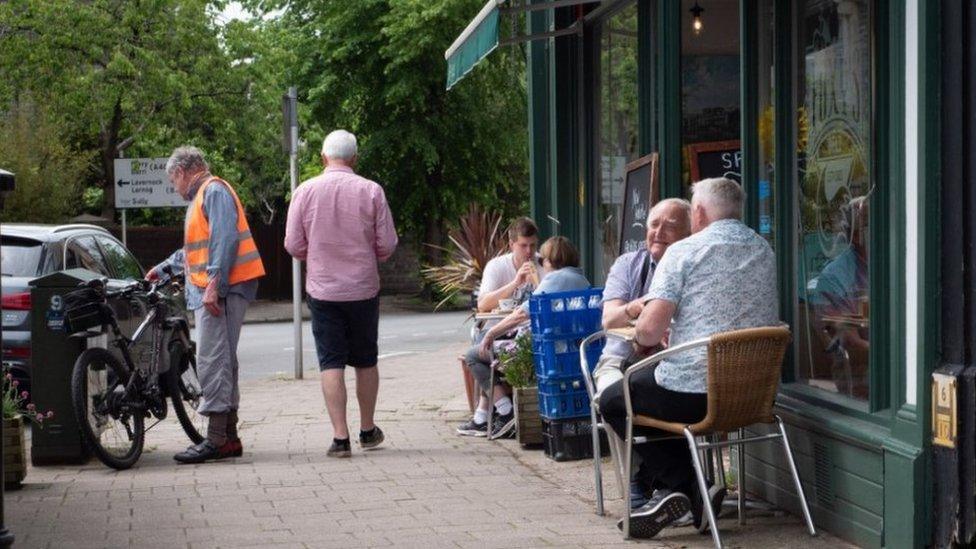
column 481, row 36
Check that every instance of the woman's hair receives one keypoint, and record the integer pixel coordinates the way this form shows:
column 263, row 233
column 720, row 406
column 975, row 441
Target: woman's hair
column 560, row 252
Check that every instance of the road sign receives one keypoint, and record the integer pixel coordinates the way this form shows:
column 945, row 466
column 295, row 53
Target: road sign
column 142, row 183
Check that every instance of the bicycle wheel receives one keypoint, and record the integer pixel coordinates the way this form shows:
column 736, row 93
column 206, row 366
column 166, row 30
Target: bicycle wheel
column 109, row 426
column 184, row 390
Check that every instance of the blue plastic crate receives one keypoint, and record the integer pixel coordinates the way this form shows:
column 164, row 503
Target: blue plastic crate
column 566, row 314
column 560, row 357
column 563, row 397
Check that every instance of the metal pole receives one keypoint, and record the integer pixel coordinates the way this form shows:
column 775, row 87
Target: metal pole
column 125, row 239
column 296, row 266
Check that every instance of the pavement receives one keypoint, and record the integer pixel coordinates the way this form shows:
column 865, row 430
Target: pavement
column 424, row 487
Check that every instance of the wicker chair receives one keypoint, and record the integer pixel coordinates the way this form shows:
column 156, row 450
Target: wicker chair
column 743, row 377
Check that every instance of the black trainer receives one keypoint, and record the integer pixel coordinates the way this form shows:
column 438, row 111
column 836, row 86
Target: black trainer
column 716, row 495
column 504, row 426
column 339, row 448
column 663, row 509
column 371, row 439
column 472, row 429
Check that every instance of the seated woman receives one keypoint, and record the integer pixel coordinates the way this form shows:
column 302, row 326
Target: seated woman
column 560, row 260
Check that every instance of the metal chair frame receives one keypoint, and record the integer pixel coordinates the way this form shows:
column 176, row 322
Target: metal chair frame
column 614, row 439
column 695, row 446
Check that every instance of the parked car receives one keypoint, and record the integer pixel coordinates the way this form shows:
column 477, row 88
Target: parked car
column 30, row 251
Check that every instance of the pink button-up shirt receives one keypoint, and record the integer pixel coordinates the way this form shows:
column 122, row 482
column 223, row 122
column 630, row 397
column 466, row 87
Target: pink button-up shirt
column 340, row 224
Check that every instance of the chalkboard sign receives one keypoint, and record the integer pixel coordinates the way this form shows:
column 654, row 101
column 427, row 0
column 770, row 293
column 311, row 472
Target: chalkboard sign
column 640, row 193
column 716, row 159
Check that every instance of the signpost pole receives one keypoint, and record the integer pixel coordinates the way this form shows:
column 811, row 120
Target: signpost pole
column 125, row 230
column 291, row 126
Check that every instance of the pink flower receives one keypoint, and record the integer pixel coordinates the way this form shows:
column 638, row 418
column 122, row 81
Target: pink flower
column 31, row 407
column 14, row 383
column 50, row 414
column 40, row 416
column 24, row 394
column 8, row 376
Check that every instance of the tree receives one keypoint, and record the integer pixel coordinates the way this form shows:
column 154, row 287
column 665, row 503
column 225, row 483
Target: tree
column 376, row 68
column 123, row 75
column 48, row 171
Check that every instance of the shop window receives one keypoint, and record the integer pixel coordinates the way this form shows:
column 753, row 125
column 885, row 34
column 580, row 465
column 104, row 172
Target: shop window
column 834, row 182
column 710, row 99
column 618, row 125
column 766, row 124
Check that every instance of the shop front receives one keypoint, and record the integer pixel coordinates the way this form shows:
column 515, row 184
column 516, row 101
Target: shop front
column 825, row 111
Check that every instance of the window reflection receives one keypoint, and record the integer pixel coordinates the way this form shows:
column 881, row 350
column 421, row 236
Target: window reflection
column 835, row 180
column 619, row 125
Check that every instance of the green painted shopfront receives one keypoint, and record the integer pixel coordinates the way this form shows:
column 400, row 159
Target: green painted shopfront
column 850, row 125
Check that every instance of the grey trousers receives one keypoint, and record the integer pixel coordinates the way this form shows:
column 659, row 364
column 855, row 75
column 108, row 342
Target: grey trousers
column 480, row 370
column 217, row 367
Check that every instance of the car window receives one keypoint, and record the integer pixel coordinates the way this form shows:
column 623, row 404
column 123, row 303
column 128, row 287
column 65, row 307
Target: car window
column 119, row 259
column 84, row 253
column 20, row 256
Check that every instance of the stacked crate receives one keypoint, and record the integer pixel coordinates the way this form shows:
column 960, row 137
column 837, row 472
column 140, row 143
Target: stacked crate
column 560, row 321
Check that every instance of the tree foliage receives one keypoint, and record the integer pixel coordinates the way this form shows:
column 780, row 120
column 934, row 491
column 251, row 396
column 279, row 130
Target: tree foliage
column 377, row 68
column 47, row 170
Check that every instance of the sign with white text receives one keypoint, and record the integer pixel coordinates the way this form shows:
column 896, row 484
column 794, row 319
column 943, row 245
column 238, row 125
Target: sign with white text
column 142, row 183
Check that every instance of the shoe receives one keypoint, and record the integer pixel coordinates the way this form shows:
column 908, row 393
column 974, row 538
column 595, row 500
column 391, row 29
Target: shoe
column 504, row 426
column 205, row 451
column 339, row 449
column 371, row 439
column 237, row 448
column 686, row 519
column 716, row 495
column 663, row 509
column 472, row 429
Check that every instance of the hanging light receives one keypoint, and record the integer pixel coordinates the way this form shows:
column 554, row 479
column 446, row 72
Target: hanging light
column 696, row 20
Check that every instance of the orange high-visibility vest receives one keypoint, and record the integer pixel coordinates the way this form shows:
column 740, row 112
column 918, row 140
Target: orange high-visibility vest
column 196, row 242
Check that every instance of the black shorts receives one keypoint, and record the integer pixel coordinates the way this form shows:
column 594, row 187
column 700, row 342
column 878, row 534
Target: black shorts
column 345, row 332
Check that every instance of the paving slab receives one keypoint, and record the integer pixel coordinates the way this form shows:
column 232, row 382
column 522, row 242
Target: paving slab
column 425, row 487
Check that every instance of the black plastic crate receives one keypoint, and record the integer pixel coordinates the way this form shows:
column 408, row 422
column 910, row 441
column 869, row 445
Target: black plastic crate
column 570, row 439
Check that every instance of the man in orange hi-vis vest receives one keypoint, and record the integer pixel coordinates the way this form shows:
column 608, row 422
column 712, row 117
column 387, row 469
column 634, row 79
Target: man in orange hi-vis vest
column 222, row 267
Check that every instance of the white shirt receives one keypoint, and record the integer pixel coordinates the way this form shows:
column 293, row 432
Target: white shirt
column 500, row 271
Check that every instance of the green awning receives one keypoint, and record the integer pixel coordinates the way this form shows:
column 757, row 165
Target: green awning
column 481, row 36
column 477, row 40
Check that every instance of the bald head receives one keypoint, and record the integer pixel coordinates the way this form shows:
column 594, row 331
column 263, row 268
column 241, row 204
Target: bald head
column 668, row 222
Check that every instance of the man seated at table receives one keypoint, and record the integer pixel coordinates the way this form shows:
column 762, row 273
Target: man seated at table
column 507, row 277
column 629, row 279
column 721, row 278
column 560, row 261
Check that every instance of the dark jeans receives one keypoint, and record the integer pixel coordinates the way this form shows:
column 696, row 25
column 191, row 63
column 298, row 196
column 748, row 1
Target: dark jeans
column 666, row 464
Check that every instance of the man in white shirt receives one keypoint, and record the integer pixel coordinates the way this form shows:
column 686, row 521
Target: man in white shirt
column 510, row 276
column 515, row 274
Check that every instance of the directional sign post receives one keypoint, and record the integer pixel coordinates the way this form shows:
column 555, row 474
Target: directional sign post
column 142, row 183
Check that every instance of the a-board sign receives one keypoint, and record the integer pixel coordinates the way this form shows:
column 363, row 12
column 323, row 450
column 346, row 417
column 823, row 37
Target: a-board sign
column 640, row 193
column 142, row 183
column 716, row 159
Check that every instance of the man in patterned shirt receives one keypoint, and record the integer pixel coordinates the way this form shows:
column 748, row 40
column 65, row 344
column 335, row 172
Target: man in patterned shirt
column 721, row 278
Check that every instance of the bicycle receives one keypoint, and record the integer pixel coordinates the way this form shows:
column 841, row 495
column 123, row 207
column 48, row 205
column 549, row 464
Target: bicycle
column 113, row 398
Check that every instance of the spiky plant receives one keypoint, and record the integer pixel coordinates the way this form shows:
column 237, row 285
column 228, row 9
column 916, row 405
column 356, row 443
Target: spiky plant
column 477, row 240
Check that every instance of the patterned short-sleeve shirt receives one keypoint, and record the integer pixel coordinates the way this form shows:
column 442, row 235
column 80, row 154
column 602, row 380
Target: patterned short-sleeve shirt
column 721, row 278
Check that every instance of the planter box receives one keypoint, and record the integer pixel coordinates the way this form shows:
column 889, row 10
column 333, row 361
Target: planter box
column 14, row 453
column 527, row 418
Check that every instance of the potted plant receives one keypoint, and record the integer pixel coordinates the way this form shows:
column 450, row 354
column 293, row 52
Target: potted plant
column 17, row 410
column 515, row 360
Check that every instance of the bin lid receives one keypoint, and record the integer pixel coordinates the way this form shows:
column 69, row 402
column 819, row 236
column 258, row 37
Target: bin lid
column 68, row 278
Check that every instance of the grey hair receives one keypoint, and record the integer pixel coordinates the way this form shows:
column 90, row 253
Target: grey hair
column 340, row 145
column 722, row 198
column 188, row 158
column 680, row 203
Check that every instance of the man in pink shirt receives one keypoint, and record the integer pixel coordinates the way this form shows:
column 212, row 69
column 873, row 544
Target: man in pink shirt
column 340, row 224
